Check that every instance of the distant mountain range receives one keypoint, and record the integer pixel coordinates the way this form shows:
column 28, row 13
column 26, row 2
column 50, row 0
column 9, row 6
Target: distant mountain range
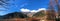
column 18, row 15
column 14, row 15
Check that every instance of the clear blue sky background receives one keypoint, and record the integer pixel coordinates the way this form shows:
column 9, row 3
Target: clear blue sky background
column 29, row 4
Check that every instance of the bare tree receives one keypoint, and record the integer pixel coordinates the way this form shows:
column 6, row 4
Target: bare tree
column 58, row 6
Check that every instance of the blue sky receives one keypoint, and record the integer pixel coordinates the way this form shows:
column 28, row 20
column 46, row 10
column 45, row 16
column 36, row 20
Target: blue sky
column 28, row 4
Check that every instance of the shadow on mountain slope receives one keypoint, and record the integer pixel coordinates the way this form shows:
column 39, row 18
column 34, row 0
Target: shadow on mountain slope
column 14, row 15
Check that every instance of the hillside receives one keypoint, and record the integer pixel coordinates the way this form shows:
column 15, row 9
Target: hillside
column 1, row 17
column 39, row 14
column 14, row 15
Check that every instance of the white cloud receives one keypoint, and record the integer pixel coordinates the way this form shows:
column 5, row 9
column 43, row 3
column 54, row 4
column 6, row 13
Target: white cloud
column 27, row 10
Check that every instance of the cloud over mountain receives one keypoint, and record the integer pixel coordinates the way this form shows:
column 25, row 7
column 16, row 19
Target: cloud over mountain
column 27, row 10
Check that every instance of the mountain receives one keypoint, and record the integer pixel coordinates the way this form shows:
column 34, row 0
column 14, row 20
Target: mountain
column 15, row 15
column 26, row 12
column 1, row 17
column 39, row 14
column 30, row 14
